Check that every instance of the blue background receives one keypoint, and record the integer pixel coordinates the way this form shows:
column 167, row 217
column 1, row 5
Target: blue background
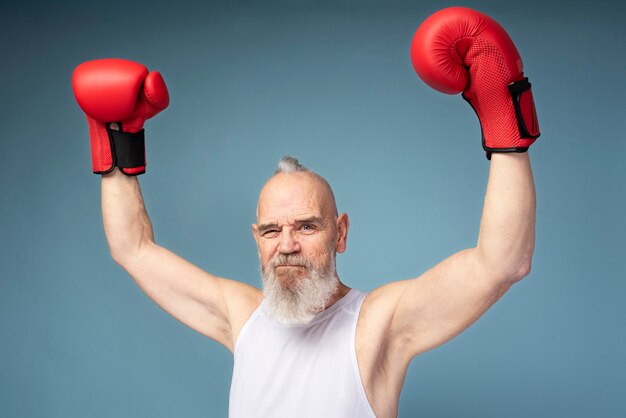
column 331, row 83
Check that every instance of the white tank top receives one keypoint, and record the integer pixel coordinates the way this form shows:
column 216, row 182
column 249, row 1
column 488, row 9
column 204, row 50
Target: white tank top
column 300, row 371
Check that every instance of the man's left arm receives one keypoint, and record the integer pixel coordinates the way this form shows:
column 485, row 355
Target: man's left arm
column 459, row 49
column 448, row 298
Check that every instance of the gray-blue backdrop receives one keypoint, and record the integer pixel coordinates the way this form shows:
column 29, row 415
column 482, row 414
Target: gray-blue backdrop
column 331, row 83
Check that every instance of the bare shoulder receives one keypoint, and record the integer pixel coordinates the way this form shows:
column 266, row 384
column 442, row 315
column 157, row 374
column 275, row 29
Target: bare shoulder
column 381, row 359
column 241, row 301
column 378, row 310
column 375, row 335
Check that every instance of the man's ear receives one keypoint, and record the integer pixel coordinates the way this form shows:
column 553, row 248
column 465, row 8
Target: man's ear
column 255, row 235
column 343, row 224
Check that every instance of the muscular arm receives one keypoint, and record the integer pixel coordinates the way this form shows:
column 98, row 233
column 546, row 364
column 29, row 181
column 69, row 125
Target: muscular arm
column 208, row 304
column 444, row 301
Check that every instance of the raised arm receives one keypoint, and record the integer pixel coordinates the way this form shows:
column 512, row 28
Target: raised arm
column 447, row 299
column 117, row 97
column 459, row 49
column 213, row 306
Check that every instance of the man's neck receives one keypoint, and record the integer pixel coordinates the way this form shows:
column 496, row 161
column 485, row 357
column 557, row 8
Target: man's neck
column 342, row 290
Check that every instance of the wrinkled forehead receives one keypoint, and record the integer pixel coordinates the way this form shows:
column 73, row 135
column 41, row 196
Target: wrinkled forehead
column 288, row 195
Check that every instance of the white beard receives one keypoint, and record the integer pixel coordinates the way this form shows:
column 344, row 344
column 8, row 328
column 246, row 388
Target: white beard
column 297, row 296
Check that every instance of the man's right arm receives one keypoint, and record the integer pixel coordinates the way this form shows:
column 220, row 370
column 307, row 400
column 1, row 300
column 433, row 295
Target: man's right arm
column 118, row 96
column 211, row 305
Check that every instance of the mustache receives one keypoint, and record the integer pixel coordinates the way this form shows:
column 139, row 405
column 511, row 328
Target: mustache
column 288, row 260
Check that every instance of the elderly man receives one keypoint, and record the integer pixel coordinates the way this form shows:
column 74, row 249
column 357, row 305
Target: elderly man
column 307, row 345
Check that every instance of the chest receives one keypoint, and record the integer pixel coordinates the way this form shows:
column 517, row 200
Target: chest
column 311, row 371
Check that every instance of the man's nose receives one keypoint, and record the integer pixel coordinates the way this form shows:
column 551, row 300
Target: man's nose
column 288, row 244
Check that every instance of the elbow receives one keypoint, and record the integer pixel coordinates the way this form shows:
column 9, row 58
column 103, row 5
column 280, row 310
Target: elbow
column 524, row 262
column 507, row 269
column 519, row 270
column 522, row 270
column 508, row 265
column 124, row 254
column 119, row 255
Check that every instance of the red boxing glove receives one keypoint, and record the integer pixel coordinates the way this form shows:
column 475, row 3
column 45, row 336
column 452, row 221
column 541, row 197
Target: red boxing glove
column 459, row 49
column 117, row 97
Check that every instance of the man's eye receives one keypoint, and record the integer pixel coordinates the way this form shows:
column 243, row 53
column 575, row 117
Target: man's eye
column 270, row 233
column 307, row 228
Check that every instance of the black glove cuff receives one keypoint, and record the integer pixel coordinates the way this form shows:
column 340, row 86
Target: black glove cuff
column 129, row 149
column 524, row 104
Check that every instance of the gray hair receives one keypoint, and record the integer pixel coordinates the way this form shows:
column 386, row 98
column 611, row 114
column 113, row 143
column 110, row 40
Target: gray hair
column 290, row 165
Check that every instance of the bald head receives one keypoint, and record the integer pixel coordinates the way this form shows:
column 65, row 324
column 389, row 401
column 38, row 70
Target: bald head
column 294, row 183
column 294, row 192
